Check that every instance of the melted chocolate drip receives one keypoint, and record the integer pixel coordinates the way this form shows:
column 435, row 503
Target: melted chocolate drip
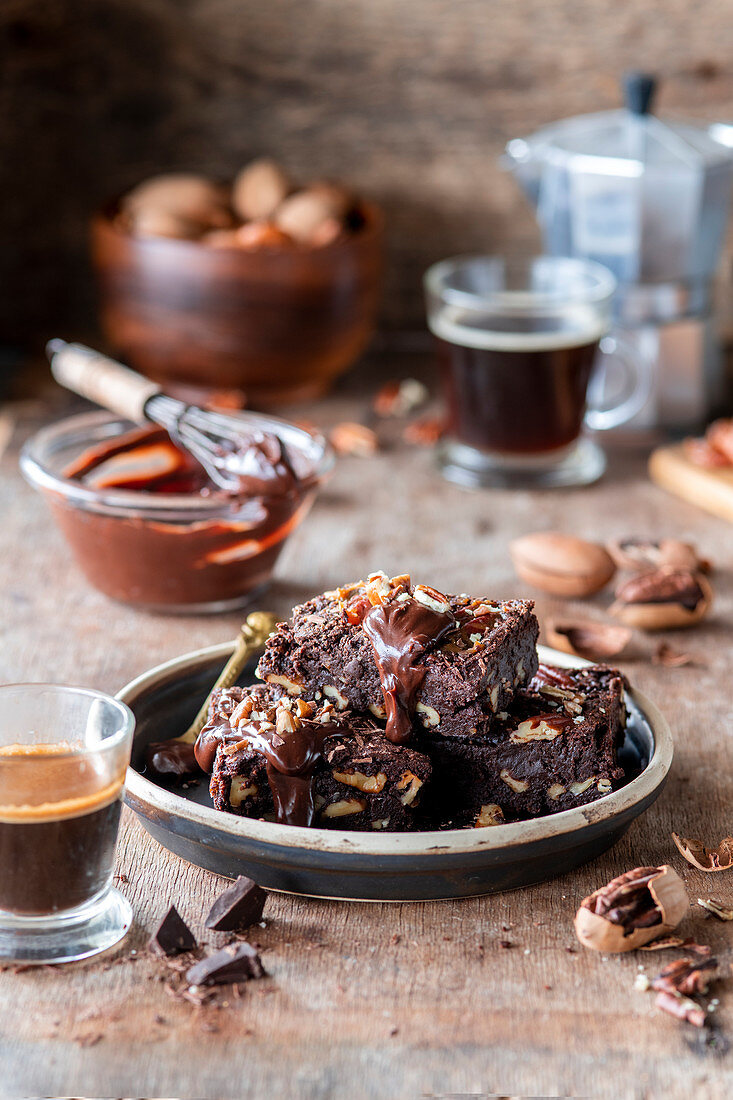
column 291, row 760
column 208, row 742
column 401, row 632
column 171, row 759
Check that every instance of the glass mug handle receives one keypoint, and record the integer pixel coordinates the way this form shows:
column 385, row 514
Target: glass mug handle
column 636, row 371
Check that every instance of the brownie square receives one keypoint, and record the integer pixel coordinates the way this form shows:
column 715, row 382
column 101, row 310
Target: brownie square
column 554, row 748
column 360, row 780
column 473, row 671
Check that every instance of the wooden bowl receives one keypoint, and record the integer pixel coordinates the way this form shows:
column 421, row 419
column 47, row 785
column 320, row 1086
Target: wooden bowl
column 280, row 324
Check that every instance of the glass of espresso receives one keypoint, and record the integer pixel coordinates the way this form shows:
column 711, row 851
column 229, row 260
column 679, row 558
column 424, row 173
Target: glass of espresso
column 519, row 342
column 63, row 756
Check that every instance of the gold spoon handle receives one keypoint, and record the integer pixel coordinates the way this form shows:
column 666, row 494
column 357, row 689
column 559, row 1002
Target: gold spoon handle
column 251, row 638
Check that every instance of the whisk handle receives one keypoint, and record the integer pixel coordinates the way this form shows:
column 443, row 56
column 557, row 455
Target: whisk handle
column 100, row 379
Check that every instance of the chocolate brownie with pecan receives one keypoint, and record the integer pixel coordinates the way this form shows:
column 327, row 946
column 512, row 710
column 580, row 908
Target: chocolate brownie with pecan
column 407, row 654
column 554, row 747
column 304, row 763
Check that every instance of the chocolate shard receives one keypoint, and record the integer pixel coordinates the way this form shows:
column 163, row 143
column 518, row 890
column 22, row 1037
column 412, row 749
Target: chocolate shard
column 172, row 936
column 237, row 962
column 238, row 907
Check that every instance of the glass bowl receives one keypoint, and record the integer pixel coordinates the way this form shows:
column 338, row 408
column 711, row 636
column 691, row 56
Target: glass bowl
column 177, row 552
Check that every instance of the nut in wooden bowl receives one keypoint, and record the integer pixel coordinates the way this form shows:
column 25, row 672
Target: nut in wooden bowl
column 560, row 564
column 259, row 189
column 310, row 215
column 190, row 198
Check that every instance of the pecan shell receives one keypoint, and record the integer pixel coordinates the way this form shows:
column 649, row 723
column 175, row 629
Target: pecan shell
column 642, row 555
column 707, row 859
column 633, row 909
column 662, row 599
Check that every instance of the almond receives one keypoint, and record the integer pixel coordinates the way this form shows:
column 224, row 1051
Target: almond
column 560, row 564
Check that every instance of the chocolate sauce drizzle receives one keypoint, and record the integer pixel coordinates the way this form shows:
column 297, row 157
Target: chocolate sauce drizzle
column 291, row 760
column 401, row 632
column 208, row 742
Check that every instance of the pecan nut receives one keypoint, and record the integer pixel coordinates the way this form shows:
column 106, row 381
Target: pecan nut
column 633, row 909
column 663, row 599
column 686, row 975
column 560, row 564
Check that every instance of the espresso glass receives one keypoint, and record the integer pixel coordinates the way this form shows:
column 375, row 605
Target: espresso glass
column 522, row 345
column 64, row 753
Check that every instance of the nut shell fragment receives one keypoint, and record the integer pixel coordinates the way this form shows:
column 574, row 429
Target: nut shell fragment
column 668, row 897
column 351, row 438
column 560, row 564
column 706, row 859
column 642, row 555
column 585, row 638
column 663, row 599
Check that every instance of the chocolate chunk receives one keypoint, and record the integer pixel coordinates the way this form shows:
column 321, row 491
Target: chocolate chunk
column 172, row 935
column 237, row 962
column 238, row 907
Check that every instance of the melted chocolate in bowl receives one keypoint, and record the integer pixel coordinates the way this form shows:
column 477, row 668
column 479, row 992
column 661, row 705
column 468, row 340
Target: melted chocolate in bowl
column 187, row 545
column 59, row 817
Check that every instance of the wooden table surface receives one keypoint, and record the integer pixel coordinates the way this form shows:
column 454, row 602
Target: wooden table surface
column 368, row 1000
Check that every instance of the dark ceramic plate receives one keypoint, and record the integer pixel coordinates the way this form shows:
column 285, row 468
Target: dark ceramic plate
column 366, row 866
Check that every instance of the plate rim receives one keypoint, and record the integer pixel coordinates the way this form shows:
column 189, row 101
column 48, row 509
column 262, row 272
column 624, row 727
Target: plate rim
column 158, row 800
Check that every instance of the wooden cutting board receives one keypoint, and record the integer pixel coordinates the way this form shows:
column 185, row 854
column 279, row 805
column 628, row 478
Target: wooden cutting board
column 712, row 490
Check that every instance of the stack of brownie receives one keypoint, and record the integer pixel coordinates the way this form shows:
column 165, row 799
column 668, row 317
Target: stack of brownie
column 389, row 706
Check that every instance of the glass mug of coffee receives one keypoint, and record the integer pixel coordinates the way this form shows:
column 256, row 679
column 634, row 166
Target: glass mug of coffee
column 63, row 757
column 518, row 342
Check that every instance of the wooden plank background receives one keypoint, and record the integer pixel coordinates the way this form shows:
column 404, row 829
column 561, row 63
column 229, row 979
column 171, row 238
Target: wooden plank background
column 371, row 1002
column 410, row 100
